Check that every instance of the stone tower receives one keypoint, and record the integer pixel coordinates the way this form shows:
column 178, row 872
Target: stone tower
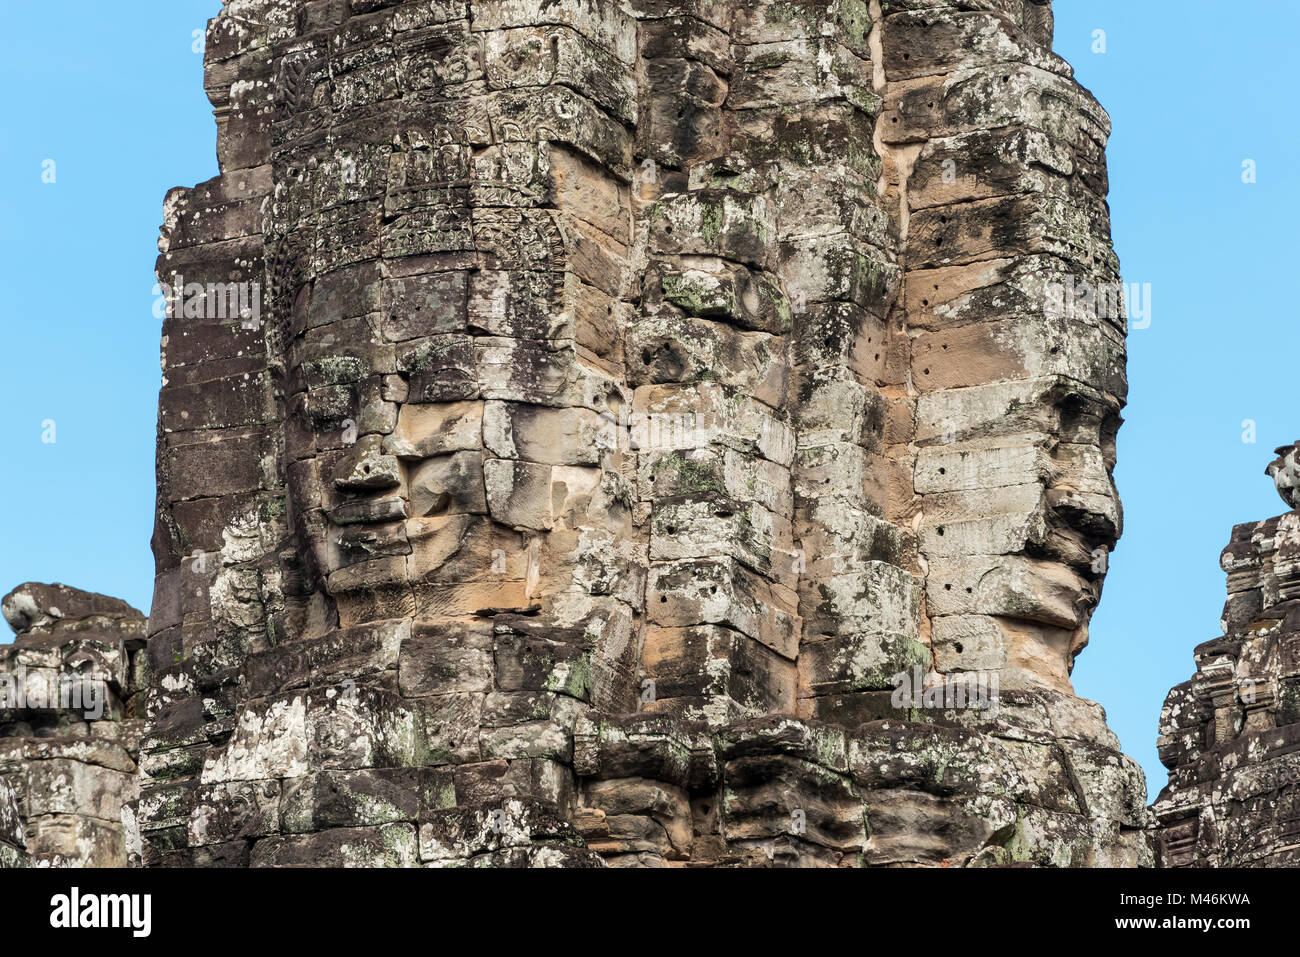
column 645, row 433
column 72, row 697
column 1231, row 734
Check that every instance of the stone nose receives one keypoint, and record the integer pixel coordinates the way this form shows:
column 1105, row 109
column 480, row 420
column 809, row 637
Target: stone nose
column 366, row 468
column 1083, row 495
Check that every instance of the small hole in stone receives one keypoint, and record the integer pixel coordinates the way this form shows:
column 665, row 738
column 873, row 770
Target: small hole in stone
column 969, row 590
column 940, row 529
column 959, row 648
column 927, row 372
column 947, row 587
column 663, row 598
column 943, row 471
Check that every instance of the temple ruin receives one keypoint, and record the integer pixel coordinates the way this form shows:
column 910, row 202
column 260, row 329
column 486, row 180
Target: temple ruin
column 1230, row 735
column 640, row 433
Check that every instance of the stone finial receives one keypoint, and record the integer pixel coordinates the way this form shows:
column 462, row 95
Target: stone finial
column 1285, row 472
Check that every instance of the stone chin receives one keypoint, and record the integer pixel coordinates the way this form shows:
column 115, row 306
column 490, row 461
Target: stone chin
column 1023, row 607
column 1041, row 611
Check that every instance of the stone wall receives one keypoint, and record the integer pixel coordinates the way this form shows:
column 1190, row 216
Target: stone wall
column 13, row 841
column 1230, row 735
column 617, row 402
column 71, row 713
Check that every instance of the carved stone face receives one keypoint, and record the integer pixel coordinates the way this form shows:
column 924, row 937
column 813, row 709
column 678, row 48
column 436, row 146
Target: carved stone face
column 667, row 375
column 1014, row 576
column 439, row 431
column 395, row 495
column 1081, row 521
column 385, row 435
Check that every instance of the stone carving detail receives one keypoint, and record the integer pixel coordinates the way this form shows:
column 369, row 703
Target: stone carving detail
column 71, row 714
column 1285, row 473
column 1229, row 736
column 13, row 839
column 639, row 392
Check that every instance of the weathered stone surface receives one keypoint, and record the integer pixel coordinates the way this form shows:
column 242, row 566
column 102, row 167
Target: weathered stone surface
column 1229, row 735
column 640, row 436
column 13, row 842
column 1285, row 473
column 72, row 694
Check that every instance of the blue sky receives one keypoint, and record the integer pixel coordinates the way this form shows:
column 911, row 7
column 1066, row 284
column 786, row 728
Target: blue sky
column 1192, row 96
column 113, row 94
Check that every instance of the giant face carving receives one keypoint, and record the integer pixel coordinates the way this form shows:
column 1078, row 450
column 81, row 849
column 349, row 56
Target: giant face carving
column 1021, row 514
column 444, row 448
column 409, row 490
column 396, row 493
column 493, row 232
column 1067, row 549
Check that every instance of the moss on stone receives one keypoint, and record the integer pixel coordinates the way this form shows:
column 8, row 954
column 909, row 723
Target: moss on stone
column 693, row 476
column 712, row 217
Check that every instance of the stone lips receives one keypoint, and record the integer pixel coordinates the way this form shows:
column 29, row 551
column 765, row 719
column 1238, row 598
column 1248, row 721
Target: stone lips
column 641, row 389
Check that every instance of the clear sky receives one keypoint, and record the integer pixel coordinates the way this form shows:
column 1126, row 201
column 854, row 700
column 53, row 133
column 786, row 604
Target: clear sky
column 112, row 93
column 1193, row 91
